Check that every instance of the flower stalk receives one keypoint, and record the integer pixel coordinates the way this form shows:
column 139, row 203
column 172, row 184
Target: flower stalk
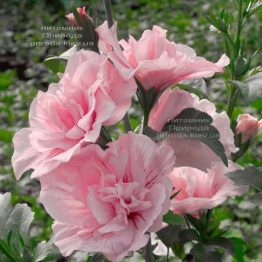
column 148, row 251
column 108, row 11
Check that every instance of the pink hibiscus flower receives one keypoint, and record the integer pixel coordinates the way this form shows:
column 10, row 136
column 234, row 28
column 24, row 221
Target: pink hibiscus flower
column 105, row 201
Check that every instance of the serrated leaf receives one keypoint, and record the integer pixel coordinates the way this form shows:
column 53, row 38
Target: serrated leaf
column 250, row 176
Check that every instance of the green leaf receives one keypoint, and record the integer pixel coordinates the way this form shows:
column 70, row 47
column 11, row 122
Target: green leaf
column 250, row 176
column 200, row 251
column 224, row 243
column 254, row 8
column 239, row 248
column 195, row 124
column 6, row 79
column 213, row 20
column 7, row 252
column 251, row 88
column 98, row 258
column 17, row 218
column 27, row 255
column 5, row 211
column 6, row 136
column 9, row 237
column 88, row 259
column 20, row 219
column 214, row 256
column 169, row 235
column 188, row 235
column 173, row 219
column 194, row 221
column 242, row 66
column 147, row 98
column 197, row 87
column 204, row 254
column 56, row 64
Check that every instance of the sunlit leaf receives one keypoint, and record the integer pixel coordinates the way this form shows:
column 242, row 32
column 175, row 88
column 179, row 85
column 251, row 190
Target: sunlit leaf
column 43, row 250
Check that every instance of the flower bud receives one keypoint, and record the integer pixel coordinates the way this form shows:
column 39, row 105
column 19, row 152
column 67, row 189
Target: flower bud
column 82, row 14
column 248, row 126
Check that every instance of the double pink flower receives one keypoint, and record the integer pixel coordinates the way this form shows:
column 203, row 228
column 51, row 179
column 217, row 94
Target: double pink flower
column 105, row 201
column 71, row 113
column 154, row 60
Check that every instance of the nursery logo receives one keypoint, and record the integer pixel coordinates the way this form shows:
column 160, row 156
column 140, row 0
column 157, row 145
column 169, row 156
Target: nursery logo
column 60, row 36
column 188, row 129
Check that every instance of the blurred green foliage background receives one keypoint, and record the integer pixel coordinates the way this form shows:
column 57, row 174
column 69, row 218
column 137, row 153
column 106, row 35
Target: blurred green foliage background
column 22, row 73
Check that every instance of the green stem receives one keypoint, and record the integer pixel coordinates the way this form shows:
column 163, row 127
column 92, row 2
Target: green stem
column 234, row 92
column 108, row 11
column 208, row 216
column 105, row 135
column 148, row 251
column 141, row 95
column 145, row 120
column 239, row 29
column 167, row 254
column 231, row 103
column 127, row 123
column 205, row 232
column 187, row 222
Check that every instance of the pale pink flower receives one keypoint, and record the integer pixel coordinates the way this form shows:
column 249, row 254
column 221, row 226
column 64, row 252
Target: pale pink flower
column 200, row 190
column 70, row 114
column 154, row 60
column 248, row 126
column 105, row 201
column 191, row 152
column 82, row 14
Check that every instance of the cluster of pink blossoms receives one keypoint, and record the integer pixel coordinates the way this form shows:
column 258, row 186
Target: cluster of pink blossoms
column 106, row 200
